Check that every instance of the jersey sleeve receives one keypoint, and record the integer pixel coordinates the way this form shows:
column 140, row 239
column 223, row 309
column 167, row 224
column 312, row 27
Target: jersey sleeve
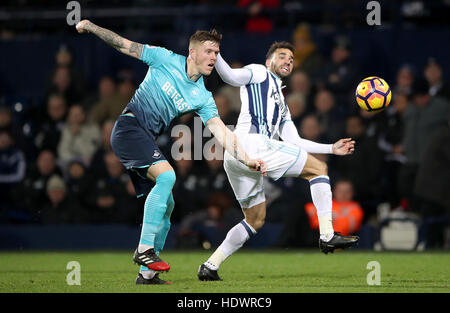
column 258, row 73
column 208, row 111
column 153, row 56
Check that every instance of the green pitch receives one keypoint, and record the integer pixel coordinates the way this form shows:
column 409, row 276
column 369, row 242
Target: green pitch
column 286, row 271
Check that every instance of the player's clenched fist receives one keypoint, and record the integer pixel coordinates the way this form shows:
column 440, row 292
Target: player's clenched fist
column 258, row 165
column 82, row 26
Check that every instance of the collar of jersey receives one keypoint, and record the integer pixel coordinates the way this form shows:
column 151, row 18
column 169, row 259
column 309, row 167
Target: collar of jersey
column 276, row 77
column 278, row 80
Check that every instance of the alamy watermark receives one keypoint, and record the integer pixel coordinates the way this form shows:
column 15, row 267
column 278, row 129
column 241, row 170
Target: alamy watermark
column 74, row 276
column 374, row 276
column 74, row 15
column 374, row 16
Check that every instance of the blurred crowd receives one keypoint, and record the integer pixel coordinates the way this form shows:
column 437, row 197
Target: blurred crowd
column 69, row 174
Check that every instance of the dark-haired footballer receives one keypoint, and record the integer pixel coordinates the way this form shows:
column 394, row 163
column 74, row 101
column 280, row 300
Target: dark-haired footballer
column 265, row 115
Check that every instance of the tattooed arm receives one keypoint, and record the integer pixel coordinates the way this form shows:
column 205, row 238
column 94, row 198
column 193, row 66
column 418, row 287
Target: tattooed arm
column 230, row 143
column 125, row 46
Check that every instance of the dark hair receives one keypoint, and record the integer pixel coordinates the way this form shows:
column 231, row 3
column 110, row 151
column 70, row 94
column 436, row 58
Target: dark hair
column 279, row 45
column 203, row 35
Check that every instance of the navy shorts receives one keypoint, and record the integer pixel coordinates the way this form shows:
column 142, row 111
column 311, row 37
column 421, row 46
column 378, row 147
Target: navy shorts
column 137, row 151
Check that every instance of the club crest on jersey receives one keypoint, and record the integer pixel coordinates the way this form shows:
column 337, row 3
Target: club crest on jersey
column 276, row 96
column 278, row 101
column 156, row 154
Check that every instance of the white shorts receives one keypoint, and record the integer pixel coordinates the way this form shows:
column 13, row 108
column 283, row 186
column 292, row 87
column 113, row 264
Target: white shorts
column 282, row 159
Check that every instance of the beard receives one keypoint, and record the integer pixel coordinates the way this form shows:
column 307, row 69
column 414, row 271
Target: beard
column 279, row 73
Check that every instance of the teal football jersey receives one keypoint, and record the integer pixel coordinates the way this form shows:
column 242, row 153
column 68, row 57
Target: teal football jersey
column 167, row 92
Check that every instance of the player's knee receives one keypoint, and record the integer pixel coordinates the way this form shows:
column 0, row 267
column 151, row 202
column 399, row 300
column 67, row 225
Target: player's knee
column 167, row 178
column 259, row 224
column 322, row 168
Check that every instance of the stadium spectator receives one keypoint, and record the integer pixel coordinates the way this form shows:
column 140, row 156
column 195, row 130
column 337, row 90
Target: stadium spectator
column 97, row 165
column 231, row 92
column 296, row 231
column 209, row 224
column 306, row 57
column 109, row 193
column 61, row 208
column 78, row 181
column 12, row 163
column 364, row 167
column 431, row 186
column 79, row 138
column 341, row 74
column 390, row 142
column 213, row 177
column 309, row 128
column 422, row 118
column 329, row 115
column 347, row 213
column 125, row 85
column 297, row 106
column 433, row 75
column 132, row 213
column 185, row 189
column 8, row 123
column 404, row 80
column 257, row 20
column 228, row 116
column 50, row 130
column 299, row 82
column 64, row 58
column 61, row 83
column 6, row 120
column 35, row 182
column 109, row 104
column 375, row 122
column 12, row 172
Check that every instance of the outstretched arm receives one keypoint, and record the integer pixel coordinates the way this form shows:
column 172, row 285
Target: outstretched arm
column 289, row 133
column 232, row 76
column 230, row 143
column 125, row 46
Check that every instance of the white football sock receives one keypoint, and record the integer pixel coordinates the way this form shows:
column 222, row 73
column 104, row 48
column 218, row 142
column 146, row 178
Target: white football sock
column 148, row 274
column 234, row 240
column 142, row 248
column 322, row 199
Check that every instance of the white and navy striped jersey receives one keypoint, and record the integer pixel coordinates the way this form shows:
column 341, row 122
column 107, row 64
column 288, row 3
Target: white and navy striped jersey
column 263, row 108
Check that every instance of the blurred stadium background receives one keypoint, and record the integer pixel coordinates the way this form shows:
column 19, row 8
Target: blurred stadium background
column 61, row 187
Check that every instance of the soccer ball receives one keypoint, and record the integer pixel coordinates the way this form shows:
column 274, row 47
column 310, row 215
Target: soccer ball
column 373, row 94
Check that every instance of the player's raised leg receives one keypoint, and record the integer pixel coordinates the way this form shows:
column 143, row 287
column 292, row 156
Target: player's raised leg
column 316, row 172
column 155, row 208
column 235, row 239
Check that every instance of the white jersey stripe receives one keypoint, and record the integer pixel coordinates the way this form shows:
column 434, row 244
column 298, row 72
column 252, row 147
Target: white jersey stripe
column 263, row 103
column 258, row 110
